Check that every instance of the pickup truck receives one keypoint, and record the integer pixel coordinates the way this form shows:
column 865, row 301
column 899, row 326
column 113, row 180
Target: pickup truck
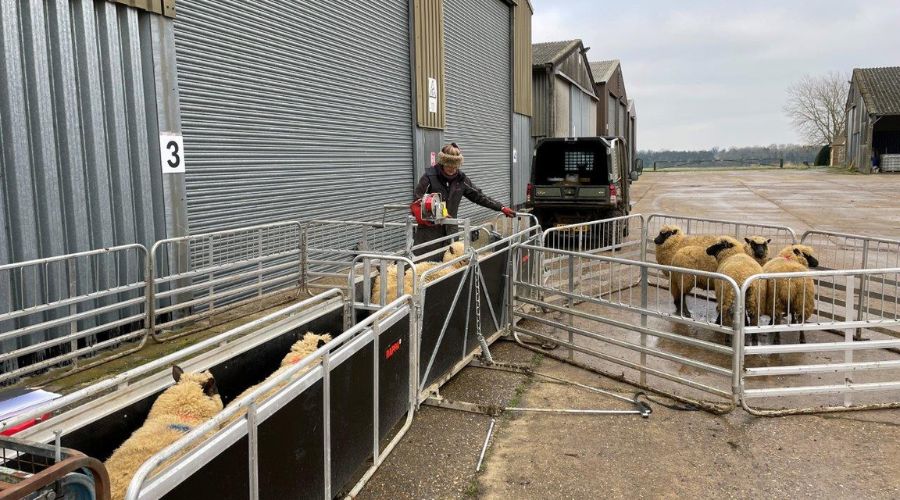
column 580, row 179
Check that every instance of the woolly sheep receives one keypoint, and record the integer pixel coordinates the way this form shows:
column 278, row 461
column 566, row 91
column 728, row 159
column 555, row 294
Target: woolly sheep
column 421, row 267
column 695, row 257
column 671, row 238
column 193, row 400
column 758, row 248
column 794, row 296
column 681, row 284
column 299, row 350
column 456, row 250
column 735, row 263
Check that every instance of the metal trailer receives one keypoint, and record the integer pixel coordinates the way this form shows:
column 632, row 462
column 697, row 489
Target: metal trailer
column 316, row 437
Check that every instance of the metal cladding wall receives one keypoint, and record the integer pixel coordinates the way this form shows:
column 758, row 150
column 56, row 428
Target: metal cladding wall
column 293, row 109
column 522, row 146
column 580, row 113
column 540, row 123
column 79, row 129
column 477, row 70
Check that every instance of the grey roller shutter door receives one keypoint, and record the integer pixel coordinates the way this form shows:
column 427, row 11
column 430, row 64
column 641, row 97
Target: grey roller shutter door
column 293, row 109
column 476, row 58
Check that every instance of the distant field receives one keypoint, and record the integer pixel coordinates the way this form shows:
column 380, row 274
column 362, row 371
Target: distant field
column 684, row 168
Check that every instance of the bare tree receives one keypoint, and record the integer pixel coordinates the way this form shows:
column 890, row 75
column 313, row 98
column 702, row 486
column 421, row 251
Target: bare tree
column 815, row 106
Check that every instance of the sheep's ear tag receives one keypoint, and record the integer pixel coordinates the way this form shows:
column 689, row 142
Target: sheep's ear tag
column 177, row 372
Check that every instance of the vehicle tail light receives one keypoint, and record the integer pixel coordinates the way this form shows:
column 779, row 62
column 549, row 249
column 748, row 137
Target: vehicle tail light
column 528, row 192
column 613, row 192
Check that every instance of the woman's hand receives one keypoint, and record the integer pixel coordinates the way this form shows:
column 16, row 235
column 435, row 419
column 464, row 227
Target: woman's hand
column 508, row 212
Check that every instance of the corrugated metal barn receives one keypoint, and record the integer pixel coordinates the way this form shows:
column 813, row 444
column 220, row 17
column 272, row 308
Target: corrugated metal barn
column 609, row 85
column 288, row 110
column 873, row 119
column 86, row 88
column 564, row 100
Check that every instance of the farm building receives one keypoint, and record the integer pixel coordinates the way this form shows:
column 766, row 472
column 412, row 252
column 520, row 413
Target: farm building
column 564, row 101
column 609, row 86
column 873, row 119
column 131, row 122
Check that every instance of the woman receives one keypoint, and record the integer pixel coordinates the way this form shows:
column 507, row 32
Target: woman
column 452, row 184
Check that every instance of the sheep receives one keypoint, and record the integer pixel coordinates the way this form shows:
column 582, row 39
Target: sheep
column 681, row 284
column 795, row 296
column 695, row 257
column 454, row 251
column 193, row 400
column 457, row 250
column 671, row 238
column 758, row 248
column 299, row 350
column 421, row 267
column 735, row 263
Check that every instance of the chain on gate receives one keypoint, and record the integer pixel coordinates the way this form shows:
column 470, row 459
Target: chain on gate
column 476, row 282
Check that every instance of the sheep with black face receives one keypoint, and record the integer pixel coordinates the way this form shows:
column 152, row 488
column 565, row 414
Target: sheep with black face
column 193, row 400
column 758, row 248
column 735, row 263
column 671, row 238
column 696, row 258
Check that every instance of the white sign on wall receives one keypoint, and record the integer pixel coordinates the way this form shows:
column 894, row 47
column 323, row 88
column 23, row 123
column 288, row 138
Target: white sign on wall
column 432, row 95
column 515, row 156
column 171, row 153
column 432, row 87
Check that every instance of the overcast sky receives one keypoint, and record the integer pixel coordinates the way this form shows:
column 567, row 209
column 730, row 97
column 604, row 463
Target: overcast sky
column 714, row 73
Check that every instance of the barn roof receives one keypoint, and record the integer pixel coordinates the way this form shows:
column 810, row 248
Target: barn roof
column 550, row 52
column 880, row 89
column 603, row 70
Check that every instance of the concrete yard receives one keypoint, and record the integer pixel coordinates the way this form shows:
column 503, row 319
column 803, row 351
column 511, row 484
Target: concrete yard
column 676, row 452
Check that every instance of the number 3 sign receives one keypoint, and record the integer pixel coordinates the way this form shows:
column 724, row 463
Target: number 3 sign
column 171, row 153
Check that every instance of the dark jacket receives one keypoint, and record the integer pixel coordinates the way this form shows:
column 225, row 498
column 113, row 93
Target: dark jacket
column 451, row 191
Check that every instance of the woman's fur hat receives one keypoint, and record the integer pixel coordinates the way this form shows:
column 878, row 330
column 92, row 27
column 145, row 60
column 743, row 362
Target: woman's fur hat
column 450, row 156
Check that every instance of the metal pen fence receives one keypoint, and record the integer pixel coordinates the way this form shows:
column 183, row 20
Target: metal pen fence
column 626, row 328
column 806, row 369
column 225, row 269
column 329, row 247
column 100, row 306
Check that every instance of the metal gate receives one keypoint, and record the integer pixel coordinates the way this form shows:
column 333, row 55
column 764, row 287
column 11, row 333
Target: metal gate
column 611, row 316
column 478, row 94
column 285, row 104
